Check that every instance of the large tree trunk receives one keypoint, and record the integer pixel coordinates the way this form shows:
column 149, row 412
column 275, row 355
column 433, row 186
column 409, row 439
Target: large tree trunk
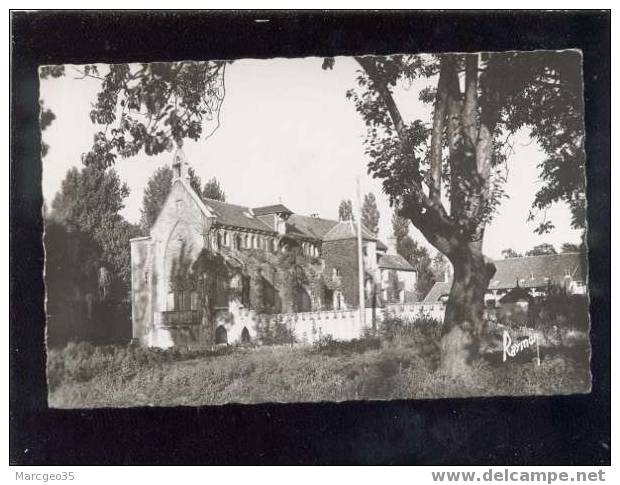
column 464, row 316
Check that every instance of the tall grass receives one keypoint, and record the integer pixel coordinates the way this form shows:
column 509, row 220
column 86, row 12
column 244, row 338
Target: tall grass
column 399, row 362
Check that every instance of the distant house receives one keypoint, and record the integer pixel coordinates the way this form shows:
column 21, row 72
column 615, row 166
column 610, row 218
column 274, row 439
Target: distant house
column 398, row 277
column 534, row 274
column 273, row 261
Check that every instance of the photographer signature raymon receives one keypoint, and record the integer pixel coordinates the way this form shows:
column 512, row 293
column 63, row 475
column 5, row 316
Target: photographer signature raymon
column 512, row 349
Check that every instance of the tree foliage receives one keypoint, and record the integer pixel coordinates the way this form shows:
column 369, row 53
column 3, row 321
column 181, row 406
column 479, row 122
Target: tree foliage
column 541, row 249
column 88, row 207
column 400, row 226
column 571, row 248
column 415, row 254
column 345, row 211
column 155, row 194
column 510, row 253
column 151, row 107
column 505, row 92
column 213, row 190
column 370, row 213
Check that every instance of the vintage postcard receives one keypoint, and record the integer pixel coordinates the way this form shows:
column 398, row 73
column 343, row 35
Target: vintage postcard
column 315, row 229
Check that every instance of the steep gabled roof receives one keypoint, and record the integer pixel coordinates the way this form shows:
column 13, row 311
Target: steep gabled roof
column 236, row 215
column 271, row 209
column 395, row 261
column 439, row 289
column 347, row 230
column 308, row 227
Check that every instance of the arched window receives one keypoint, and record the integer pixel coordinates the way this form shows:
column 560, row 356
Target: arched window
column 221, row 336
column 245, row 336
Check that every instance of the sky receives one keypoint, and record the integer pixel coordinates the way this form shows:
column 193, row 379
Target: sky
column 288, row 134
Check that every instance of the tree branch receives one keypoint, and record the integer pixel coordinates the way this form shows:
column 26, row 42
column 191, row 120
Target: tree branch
column 439, row 116
column 419, row 207
column 470, row 106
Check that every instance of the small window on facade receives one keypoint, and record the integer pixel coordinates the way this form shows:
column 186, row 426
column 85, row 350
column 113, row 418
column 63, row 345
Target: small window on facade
column 170, row 302
column 194, row 301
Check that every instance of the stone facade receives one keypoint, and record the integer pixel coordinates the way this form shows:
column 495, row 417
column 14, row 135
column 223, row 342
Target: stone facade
column 207, row 266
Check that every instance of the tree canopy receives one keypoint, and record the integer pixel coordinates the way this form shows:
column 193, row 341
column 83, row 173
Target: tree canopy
column 370, row 213
column 415, row 254
column 213, row 190
column 345, row 211
column 87, row 208
column 541, row 249
column 155, row 193
column 149, row 107
column 571, row 248
column 510, row 253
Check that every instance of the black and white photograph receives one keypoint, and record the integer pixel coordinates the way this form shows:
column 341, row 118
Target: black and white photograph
column 316, row 229
column 310, row 237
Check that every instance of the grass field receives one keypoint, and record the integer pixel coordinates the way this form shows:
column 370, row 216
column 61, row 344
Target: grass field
column 81, row 375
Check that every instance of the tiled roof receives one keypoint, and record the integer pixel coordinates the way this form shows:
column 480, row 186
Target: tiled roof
column 308, row 227
column 236, row 215
column 395, row 261
column 439, row 289
column 271, row 209
column 530, row 271
column 537, row 271
column 347, row 230
column 296, row 226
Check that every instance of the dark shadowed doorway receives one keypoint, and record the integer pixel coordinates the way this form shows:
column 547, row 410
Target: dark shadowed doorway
column 221, row 336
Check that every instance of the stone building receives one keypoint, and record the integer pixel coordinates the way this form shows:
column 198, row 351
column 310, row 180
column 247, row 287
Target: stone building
column 206, row 264
column 533, row 275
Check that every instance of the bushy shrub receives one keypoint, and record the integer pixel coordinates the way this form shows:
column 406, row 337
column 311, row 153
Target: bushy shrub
column 276, row 332
column 329, row 345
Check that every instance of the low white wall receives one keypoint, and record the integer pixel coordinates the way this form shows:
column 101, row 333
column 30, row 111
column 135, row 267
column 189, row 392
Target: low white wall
column 417, row 310
column 307, row 327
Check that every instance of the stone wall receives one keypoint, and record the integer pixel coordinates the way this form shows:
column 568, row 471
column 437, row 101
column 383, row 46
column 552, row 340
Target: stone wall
column 306, row 327
column 342, row 255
